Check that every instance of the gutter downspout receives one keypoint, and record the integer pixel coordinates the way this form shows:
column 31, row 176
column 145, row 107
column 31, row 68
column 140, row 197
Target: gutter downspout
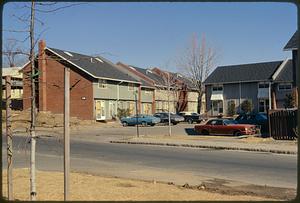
column 118, row 96
column 240, row 94
column 270, row 97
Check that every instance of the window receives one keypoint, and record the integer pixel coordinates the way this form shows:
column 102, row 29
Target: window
column 263, row 85
column 68, row 53
column 283, row 87
column 147, row 91
column 217, row 88
column 130, row 87
column 102, row 84
column 99, row 60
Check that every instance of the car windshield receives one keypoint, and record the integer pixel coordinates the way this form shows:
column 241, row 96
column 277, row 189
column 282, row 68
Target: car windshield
column 230, row 122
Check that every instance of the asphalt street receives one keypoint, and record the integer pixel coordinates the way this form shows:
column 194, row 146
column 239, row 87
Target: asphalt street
column 178, row 165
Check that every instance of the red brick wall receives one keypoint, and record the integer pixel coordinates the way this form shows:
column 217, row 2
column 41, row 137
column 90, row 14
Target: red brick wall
column 80, row 108
column 26, row 87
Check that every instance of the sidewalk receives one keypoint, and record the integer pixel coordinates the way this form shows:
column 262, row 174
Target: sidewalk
column 217, row 142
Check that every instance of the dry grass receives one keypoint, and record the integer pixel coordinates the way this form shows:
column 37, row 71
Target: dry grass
column 89, row 187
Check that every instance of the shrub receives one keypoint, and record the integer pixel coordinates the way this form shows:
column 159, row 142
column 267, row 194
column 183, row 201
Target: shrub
column 289, row 101
column 231, row 108
column 247, row 106
column 123, row 112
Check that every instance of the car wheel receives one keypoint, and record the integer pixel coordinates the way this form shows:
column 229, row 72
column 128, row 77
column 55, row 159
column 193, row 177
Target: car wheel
column 124, row 124
column 144, row 124
column 152, row 124
column 174, row 123
column 237, row 133
column 190, row 121
column 205, row 132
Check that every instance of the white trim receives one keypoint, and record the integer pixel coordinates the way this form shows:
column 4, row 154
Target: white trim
column 24, row 65
column 279, row 69
column 89, row 72
column 290, row 49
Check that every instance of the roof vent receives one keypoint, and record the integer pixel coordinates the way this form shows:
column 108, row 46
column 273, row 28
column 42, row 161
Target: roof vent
column 68, row 53
column 99, row 60
column 148, row 71
column 178, row 75
column 132, row 67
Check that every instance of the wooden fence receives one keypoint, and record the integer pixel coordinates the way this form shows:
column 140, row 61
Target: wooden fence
column 283, row 124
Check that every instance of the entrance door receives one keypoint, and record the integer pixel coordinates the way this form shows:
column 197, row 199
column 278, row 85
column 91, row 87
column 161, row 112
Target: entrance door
column 100, row 110
column 217, row 107
column 263, row 105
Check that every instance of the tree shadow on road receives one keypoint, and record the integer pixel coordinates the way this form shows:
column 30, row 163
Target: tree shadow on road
column 190, row 131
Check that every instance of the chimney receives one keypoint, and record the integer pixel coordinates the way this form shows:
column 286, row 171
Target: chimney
column 42, row 67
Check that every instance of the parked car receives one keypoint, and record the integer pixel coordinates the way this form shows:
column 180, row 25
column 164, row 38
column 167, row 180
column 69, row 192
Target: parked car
column 259, row 119
column 143, row 120
column 225, row 126
column 191, row 117
column 164, row 117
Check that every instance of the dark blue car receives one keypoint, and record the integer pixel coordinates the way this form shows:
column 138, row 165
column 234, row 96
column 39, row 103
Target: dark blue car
column 259, row 119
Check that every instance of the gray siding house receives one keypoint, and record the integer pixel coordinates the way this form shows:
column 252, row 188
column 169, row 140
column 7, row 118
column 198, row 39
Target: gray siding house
column 257, row 82
column 112, row 89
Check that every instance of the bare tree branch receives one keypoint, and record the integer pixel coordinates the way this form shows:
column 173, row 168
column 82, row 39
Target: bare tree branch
column 56, row 9
column 196, row 63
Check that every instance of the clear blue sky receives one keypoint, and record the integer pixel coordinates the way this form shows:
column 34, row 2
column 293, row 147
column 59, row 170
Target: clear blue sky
column 150, row 34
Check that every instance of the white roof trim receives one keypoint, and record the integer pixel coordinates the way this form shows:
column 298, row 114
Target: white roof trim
column 279, row 69
column 25, row 65
column 89, row 72
column 290, row 49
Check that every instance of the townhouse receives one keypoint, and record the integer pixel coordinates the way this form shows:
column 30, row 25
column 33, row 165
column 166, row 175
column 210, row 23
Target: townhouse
column 98, row 88
column 16, row 87
column 265, row 85
column 182, row 96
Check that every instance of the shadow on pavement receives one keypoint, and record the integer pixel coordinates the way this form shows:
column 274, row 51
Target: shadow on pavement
column 191, row 131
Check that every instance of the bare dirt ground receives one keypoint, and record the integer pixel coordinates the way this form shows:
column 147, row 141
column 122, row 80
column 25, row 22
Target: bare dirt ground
column 21, row 120
column 90, row 187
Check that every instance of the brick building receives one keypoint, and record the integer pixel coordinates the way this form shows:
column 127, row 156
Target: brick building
column 97, row 86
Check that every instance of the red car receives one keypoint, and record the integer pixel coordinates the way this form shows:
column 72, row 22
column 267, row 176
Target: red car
column 225, row 126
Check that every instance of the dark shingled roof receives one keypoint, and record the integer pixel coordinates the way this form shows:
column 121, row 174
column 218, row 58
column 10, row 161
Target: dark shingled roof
column 243, row 73
column 157, row 79
column 92, row 66
column 292, row 43
column 286, row 74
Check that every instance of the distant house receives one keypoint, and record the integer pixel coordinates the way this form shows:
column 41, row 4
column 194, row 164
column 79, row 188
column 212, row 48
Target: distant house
column 16, row 87
column 97, row 86
column 183, row 95
column 265, row 85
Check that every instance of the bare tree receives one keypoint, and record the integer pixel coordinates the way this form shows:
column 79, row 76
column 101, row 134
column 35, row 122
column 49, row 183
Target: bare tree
column 29, row 21
column 11, row 51
column 196, row 63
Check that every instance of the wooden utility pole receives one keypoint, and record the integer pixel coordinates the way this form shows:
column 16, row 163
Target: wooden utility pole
column 170, row 130
column 9, row 137
column 67, row 134
column 33, row 109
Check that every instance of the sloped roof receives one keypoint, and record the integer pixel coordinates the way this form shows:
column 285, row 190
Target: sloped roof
column 286, row 74
column 243, row 73
column 156, row 78
column 125, row 68
column 292, row 43
column 97, row 67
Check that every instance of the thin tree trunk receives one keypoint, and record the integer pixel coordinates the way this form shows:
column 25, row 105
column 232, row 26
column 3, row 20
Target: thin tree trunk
column 33, row 110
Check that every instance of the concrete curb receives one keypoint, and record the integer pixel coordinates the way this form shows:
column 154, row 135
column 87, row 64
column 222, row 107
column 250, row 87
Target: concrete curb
column 207, row 146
